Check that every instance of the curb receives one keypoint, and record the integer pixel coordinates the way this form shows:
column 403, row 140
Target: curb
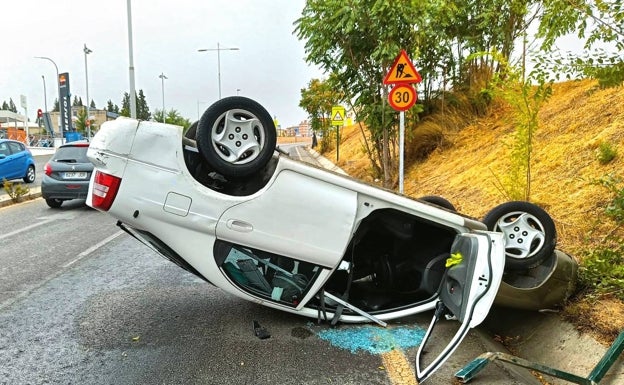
column 5, row 199
column 324, row 162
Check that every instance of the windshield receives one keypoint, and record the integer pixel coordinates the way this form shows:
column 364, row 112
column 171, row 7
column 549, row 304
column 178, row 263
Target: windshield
column 72, row 154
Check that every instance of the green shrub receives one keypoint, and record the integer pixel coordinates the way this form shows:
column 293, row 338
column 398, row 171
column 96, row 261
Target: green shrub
column 15, row 191
column 602, row 271
column 615, row 208
column 606, row 153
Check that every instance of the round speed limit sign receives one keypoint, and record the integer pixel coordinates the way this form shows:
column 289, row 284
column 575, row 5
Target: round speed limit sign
column 402, row 97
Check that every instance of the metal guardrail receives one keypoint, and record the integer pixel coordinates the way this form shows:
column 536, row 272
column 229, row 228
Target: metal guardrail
column 469, row 371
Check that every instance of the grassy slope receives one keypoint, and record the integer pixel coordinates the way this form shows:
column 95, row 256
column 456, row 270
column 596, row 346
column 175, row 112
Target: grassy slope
column 575, row 120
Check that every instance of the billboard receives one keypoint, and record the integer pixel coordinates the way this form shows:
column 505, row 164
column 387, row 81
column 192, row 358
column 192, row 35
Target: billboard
column 65, row 103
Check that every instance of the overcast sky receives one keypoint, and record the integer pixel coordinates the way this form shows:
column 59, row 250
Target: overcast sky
column 268, row 67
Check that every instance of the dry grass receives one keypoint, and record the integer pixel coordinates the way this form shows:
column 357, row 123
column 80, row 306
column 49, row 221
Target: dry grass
column 467, row 167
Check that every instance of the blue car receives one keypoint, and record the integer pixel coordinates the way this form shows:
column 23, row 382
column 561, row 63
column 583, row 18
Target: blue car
column 16, row 161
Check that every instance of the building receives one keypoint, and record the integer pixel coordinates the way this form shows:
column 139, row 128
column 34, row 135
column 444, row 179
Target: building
column 98, row 117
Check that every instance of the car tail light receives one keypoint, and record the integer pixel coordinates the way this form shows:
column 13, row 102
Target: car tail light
column 47, row 169
column 104, row 190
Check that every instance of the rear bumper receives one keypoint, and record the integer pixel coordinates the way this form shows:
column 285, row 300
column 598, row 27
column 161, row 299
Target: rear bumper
column 56, row 189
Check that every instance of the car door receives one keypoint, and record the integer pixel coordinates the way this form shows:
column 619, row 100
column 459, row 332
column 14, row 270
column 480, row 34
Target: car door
column 8, row 165
column 473, row 276
column 19, row 158
column 298, row 216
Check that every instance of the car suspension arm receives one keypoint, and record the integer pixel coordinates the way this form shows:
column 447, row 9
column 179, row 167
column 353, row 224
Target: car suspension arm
column 355, row 309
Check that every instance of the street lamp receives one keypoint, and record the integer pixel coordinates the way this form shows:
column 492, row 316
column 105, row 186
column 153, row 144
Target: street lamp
column 162, row 78
column 238, row 90
column 218, row 49
column 88, row 122
column 133, row 107
column 58, row 84
column 45, row 97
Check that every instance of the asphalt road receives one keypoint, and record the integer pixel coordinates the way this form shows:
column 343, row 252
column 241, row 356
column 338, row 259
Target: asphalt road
column 83, row 303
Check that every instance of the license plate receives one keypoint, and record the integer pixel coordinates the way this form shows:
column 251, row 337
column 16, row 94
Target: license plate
column 74, row 175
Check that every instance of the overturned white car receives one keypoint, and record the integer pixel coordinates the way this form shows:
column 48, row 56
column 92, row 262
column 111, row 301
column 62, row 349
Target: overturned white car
column 223, row 204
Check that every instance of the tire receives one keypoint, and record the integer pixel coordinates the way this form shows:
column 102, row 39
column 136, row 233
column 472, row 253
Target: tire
column 438, row 201
column 30, row 174
column 530, row 234
column 54, row 203
column 191, row 133
column 236, row 136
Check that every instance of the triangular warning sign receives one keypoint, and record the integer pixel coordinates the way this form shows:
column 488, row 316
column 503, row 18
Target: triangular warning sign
column 337, row 116
column 402, row 71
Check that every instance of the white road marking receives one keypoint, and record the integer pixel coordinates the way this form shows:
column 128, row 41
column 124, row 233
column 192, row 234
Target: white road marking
column 57, row 273
column 93, row 248
column 27, row 228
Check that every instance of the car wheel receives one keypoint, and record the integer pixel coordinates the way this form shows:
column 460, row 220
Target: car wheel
column 530, row 234
column 30, row 175
column 191, row 133
column 54, row 203
column 236, row 136
column 438, row 201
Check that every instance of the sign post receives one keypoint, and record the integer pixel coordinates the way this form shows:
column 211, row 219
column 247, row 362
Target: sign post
column 338, row 117
column 402, row 97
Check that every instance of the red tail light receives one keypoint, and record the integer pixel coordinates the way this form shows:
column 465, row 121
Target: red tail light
column 104, row 190
column 47, row 169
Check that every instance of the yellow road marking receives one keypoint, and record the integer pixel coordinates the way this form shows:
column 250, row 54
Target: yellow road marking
column 398, row 367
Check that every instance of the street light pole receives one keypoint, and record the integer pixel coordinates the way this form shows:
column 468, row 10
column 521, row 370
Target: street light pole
column 58, row 86
column 133, row 111
column 162, row 78
column 45, row 97
column 218, row 49
column 88, row 123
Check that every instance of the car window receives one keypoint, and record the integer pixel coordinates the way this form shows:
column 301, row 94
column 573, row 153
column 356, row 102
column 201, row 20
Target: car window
column 71, row 154
column 4, row 149
column 271, row 276
column 15, row 147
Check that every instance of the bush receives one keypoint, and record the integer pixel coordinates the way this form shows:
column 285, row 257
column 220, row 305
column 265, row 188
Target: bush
column 15, row 191
column 615, row 208
column 602, row 271
column 606, row 153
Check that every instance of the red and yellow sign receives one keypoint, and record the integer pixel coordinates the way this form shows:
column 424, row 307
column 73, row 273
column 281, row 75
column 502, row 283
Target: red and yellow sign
column 402, row 97
column 402, row 71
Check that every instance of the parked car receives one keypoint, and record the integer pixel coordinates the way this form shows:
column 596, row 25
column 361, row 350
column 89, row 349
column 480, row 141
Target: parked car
column 67, row 174
column 221, row 203
column 16, row 161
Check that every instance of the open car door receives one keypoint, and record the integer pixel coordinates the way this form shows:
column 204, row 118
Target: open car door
column 474, row 273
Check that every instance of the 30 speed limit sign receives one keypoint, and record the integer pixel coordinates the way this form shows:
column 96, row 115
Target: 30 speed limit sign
column 402, row 97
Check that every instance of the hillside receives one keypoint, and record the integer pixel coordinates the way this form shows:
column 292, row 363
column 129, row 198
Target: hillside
column 573, row 123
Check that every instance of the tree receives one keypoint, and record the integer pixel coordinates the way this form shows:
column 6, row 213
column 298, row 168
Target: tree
column 12, row 106
column 81, row 120
column 5, row 106
column 172, row 117
column 110, row 107
column 142, row 109
column 597, row 23
column 92, row 104
column 55, row 107
column 317, row 100
column 77, row 101
column 356, row 42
